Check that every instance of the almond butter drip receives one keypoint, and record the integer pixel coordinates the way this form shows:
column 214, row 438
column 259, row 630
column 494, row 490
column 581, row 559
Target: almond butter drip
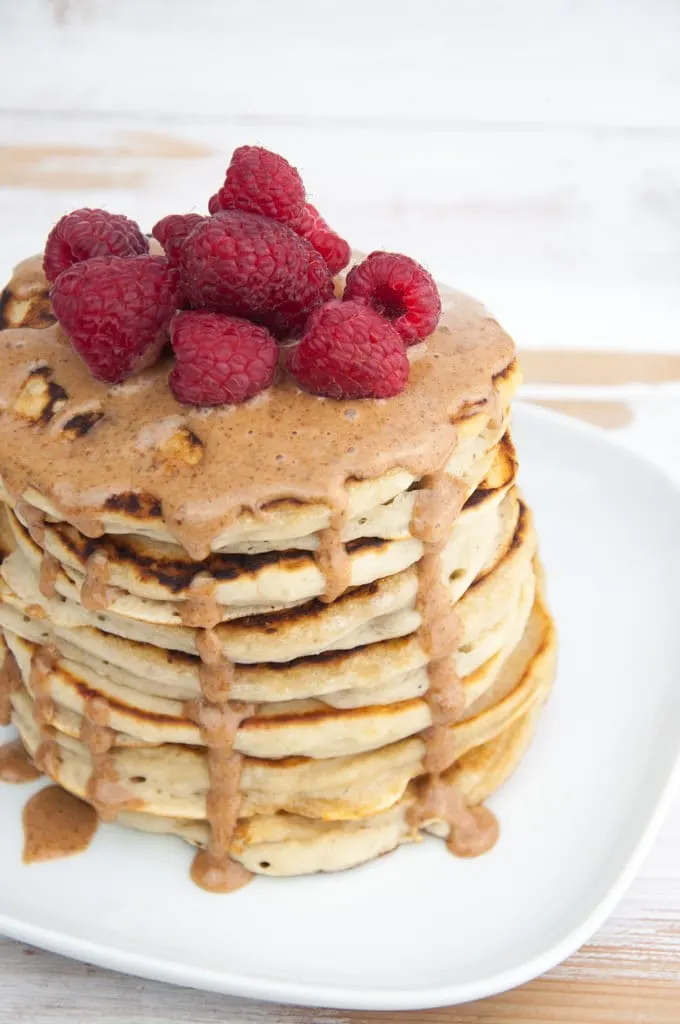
column 104, row 789
column 56, row 824
column 201, row 608
column 472, row 831
column 95, row 593
column 325, row 441
column 47, row 757
column 10, row 682
column 219, row 720
column 331, row 555
column 15, row 764
column 34, row 519
column 49, row 570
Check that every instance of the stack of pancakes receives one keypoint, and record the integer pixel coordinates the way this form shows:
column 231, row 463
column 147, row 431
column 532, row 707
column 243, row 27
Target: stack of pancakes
column 295, row 633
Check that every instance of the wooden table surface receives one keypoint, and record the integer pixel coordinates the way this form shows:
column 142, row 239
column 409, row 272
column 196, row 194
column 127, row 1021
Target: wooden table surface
column 527, row 152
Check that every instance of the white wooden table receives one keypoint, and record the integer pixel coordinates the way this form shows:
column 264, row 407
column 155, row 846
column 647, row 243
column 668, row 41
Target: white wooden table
column 528, row 152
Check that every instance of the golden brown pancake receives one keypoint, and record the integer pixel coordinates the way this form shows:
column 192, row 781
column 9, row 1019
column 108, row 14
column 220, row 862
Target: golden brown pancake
column 336, row 605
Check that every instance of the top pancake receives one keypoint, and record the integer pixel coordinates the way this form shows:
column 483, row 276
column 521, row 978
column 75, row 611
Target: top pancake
column 128, row 458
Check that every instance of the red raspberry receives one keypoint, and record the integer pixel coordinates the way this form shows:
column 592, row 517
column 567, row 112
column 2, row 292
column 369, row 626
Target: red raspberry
column 116, row 311
column 259, row 181
column 220, row 359
column 214, row 204
column 248, row 266
column 171, row 232
column 348, row 351
column 314, row 228
column 399, row 289
column 85, row 233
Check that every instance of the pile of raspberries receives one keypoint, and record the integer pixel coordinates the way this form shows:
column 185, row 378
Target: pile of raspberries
column 231, row 285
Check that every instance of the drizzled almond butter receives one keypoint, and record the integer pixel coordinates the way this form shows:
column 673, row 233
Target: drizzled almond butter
column 113, row 466
column 229, row 460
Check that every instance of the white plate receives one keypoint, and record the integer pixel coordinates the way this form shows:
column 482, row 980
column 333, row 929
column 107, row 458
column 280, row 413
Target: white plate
column 420, row 928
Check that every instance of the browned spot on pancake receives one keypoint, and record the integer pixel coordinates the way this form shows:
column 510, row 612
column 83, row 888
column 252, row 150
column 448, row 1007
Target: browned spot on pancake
column 177, row 574
column 364, row 543
column 338, row 658
column 139, row 506
column 384, row 711
column 281, row 762
column 506, row 372
column 115, row 704
column 229, row 567
column 478, row 496
column 82, row 423
column 271, row 622
column 76, row 542
column 56, row 395
column 183, row 446
column 40, row 397
column 5, row 299
column 37, row 312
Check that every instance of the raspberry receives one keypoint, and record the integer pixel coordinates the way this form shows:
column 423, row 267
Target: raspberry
column 314, row 228
column 248, row 266
column 116, row 311
column 171, row 232
column 214, row 203
column 399, row 289
column 348, row 351
column 220, row 359
column 259, row 181
column 85, row 233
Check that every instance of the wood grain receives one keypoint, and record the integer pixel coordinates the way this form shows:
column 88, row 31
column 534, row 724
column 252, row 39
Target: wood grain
column 626, row 988
column 128, row 162
column 610, row 414
column 594, row 368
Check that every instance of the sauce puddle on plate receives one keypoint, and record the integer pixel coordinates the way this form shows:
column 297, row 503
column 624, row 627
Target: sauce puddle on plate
column 56, row 824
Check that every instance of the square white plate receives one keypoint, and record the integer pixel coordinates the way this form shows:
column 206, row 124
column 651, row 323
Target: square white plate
column 420, row 928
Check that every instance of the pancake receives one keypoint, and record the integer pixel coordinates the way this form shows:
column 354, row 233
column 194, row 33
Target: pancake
column 295, row 633
column 173, row 780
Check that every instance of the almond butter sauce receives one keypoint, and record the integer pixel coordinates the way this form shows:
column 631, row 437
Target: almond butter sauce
column 437, row 505
column 201, row 609
column 47, row 757
column 105, row 791
column 34, row 520
column 56, row 824
column 327, row 443
column 95, row 591
column 15, row 764
column 112, row 467
column 49, row 571
column 331, row 555
column 10, row 681
column 219, row 720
